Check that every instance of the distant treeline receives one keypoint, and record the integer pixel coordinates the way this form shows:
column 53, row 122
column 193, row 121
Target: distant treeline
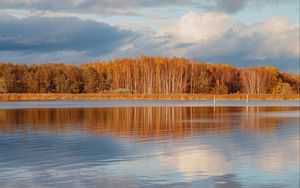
column 145, row 75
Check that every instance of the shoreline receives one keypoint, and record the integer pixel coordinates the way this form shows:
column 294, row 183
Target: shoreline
column 95, row 96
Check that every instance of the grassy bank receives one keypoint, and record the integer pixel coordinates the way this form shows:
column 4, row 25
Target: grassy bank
column 93, row 96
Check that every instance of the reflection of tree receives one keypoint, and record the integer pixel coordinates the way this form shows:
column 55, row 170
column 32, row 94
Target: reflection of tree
column 259, row 119
column 145, row 122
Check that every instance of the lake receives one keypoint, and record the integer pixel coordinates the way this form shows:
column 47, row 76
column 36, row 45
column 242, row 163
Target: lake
column 149, row 144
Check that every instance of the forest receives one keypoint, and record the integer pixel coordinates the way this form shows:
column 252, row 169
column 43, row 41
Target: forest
column 145, row 75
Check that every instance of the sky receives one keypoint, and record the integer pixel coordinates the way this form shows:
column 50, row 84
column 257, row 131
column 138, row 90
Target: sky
column 237, row 32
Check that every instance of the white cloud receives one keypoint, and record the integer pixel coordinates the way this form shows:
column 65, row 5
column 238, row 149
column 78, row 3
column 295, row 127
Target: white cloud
column 193, row 28
column 217, row 34
column 279, row 38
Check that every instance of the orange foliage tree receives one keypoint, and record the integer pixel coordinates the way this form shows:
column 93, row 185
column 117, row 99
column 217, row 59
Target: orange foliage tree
column 145, row 75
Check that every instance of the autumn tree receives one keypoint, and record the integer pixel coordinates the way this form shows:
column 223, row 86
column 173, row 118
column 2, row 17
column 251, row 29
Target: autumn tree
column 259, row 80
column 203, row 80
column 145, row 75
column 283, row 88
column 32, row 80
column 74, row 79
column 90, row 80
column 3, row 88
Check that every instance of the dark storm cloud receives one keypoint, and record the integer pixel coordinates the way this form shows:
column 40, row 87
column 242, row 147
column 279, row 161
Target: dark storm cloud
column 83, row 5
column 123, row 6
column 46, row 34
column 231, row 6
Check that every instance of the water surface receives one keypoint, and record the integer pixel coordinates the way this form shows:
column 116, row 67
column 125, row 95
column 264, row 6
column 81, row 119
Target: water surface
column 140, row 103
column 212, row 146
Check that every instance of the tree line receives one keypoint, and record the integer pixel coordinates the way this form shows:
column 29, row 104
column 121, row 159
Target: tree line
column 145, row 75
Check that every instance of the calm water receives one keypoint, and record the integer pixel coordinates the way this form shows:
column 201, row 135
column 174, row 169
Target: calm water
column 45, row 145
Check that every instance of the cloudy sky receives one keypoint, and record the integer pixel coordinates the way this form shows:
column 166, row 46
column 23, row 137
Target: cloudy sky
column 238, row 32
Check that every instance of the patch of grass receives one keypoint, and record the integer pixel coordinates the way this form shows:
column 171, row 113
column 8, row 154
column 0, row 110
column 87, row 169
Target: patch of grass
column 129, row 96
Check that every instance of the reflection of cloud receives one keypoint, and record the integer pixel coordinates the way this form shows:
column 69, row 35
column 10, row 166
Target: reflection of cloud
column 274, row 159
column 270, row 163
column 192, row 161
